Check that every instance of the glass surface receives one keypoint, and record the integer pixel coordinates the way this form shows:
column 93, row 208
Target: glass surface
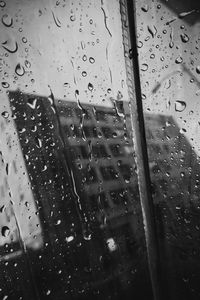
column 71, row 221
column 168, row 46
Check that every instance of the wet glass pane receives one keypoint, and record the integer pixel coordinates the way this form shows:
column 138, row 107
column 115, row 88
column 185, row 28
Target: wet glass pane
column 168, row 46
column 71, row 221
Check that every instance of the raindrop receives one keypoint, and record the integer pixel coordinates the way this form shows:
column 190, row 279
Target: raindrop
column 152, row 30
column 143, row 97
column 184, row 38
column 145, row 8
column 171, row 44
column 119, row 95
column 5, row 84
column 27, row 64
column 168, row 84
column 182, row 130
column 90, row 87
column 5, row 231
column 2, row 208
column 184, row 14
column 19, row 70
column 169, row 22
column 56, row 20
column 5, row 114
column 130, row 54
column 179, row 60
column 24, row 40
column 198, row 93
column 2, row 4
column 38, row 143
column 139, row 44
column 198, row 69
column 84, row 73
column 72, row 18
column 91, row 60
column 69, row 238
column 84, row 58
column 32, row 103
column 144, row 67
column 82, row 45
column 7, row 20
column 180, row 106
column 182, row 174
column 87, row 236
column 15, row 48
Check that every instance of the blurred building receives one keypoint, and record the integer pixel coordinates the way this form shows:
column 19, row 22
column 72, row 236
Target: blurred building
column 81, row 164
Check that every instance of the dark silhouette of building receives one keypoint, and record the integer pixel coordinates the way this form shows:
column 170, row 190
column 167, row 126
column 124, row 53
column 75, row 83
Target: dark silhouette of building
column 81, row 164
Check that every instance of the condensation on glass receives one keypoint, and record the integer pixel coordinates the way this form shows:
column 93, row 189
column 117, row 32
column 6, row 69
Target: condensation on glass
column 70, row 217
column 168, row 45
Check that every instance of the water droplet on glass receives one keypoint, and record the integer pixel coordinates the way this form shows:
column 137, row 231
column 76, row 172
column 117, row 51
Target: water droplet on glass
column 84, row 73
column 10, row 48
column 90, row 87
column 139, row 44
column 7, row 20
column 5, row 84
column 152, row 56
column 91, row 60
column 119, row 95
column 182, row 130
column 180, row 106
column 184, row 38
column 32, row 103
column 72, row 18
column 198, row 69
column 19, row 70
column 171, row 44
column 144, row 67
column 84, row 58
column 27, row 64
column 5, row 114
column 87, row 236
column 169, row 22
column 56, row 20
column 24, row 40
column 152, row 30
column 145, row 8
column 184, row 14
column 179, row 60
column 143, row 97
column 182, row 174
column 198, row 93
column 69, row 238
column 5, row 231
column 2, row 4
column 58, row 222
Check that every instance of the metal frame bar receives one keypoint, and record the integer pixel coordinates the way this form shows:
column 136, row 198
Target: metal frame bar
column 127, row 8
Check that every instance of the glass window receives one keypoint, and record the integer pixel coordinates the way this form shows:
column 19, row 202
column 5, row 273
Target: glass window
column 71, row 220
column 168, row 47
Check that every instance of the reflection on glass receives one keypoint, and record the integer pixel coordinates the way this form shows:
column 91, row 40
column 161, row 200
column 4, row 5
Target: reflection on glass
column 168, row 46
column 83, row 176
